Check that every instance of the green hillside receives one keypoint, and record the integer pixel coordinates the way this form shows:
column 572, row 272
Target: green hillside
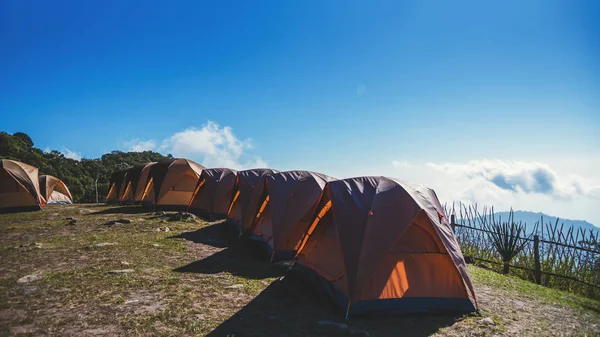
column 80, row 176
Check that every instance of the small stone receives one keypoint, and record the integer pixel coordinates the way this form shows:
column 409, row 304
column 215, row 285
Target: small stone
column 109, row 223
column 182, row 216
column 155, row 245
column 341, row 326
column 124, row 263
column 487, row 321
column 140, row 220
column 85, row 211
column 163, row 221
column 199, row 316
column 121, row 271
column 235, row 286
column 131, row 301
column 73, row 222
column 124, row 221
column 70, row 218
column 104, row 244
column 163, row 229
column 29, row 278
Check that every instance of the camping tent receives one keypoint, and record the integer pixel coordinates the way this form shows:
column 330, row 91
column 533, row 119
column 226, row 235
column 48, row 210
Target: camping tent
column 380, row 245
column 249, row 189
column 54, row 190
column 172, row 183
column 214, row 191
column 287, row 209
column 132, row 180
column 115, row 188
column 19, row 187
column 141, row 185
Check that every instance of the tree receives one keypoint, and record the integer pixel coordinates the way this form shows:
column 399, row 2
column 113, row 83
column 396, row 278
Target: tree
column 79, row 176
column 24, row 138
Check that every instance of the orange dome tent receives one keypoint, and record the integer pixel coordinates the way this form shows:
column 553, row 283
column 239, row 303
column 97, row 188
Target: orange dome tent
column 171, row 183
column 116, row 186
column 134, row 177
column 379, row 245
column 54, row 190
column 19, row 187
column 249, row 189
column 287, row 209
column 214, row 191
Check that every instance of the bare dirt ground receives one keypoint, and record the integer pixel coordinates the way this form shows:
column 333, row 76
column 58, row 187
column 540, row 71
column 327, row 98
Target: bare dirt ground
column 135, row 278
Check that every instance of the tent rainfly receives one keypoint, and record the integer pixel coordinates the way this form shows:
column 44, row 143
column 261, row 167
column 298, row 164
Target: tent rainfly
column 380, row 246
column 115, row 188
column 214, row 191
column 132, row 180
column 54, row 190
column 19, row 187
column 249, row 189
column 286, row 210
column 171, row 183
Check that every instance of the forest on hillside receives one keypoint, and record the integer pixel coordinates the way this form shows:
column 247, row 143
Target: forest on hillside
column 80, row 176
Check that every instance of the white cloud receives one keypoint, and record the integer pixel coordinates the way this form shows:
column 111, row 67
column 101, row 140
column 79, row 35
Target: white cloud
column 361, row 89
column 137, row 145
column 212, row 146
column 72, row 154
column 531, row 186
column 400, row 163
column 518, row 176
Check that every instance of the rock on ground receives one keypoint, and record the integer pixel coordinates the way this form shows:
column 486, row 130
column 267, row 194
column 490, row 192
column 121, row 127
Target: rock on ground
column 121, row 271
column 29, row 278
column 182, row 216
column 486, row 321
column 104, row 244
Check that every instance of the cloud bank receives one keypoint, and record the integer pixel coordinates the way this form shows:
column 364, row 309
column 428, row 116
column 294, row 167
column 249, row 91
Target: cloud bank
column 518, row 176
column 137, row 145
column 72, row 154
column 210, row 145
column 524, row 185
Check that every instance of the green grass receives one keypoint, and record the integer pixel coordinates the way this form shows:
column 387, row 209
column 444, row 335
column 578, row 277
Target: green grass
column 528, row 290
column 186, row 287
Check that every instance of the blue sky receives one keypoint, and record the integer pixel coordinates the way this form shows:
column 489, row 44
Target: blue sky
column 479, row 93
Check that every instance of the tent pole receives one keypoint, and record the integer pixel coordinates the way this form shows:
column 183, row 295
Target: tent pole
column 348, row 309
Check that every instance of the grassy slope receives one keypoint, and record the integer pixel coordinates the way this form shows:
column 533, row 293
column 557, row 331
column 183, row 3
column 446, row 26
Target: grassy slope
column 197, row 279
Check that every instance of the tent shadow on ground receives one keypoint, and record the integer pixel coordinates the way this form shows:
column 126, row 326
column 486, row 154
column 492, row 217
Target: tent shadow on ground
column 292, row 308
column 219, row 235
column 133, row 209
column 239, row 257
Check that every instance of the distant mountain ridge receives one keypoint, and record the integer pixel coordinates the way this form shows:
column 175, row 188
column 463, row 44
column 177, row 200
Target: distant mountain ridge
column 531, row 218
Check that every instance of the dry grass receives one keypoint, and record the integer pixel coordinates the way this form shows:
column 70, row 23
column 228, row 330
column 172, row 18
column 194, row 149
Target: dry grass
column 197, row 279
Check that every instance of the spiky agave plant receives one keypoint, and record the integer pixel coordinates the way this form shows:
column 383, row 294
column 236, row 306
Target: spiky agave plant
column 506, row 238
